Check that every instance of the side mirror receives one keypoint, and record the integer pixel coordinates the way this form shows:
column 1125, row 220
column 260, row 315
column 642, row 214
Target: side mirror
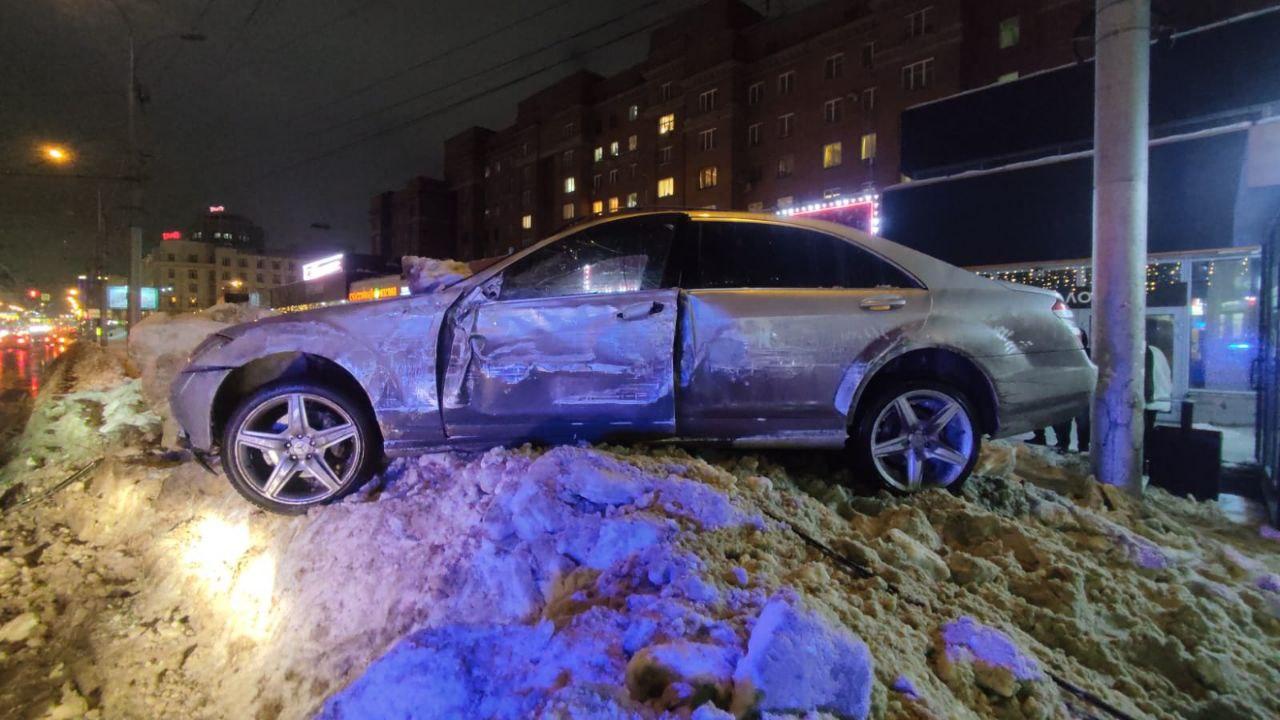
column 492, row 288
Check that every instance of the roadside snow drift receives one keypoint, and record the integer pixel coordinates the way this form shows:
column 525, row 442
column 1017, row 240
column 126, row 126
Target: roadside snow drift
column 611, row 582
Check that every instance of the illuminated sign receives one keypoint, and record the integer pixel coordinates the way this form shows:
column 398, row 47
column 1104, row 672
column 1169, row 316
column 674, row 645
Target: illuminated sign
column 217, row 208
column 377, row 293
column 861, row 212
column 118, row 297
column 171, row 235
column 322, row 267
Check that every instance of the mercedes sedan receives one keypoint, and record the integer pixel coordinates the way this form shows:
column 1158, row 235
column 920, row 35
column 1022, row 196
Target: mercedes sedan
column 747, row 330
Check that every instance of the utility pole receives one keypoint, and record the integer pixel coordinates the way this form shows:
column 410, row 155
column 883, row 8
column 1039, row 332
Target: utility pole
column 1122, row 58
column 135, row 194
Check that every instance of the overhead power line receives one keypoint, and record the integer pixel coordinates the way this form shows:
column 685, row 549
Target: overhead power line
column 436, row 57
column 410, row 122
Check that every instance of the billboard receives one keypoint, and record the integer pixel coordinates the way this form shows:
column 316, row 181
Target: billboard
column 118, row 297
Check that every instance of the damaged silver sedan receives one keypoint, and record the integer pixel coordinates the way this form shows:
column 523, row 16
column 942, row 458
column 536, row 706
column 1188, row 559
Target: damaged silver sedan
column 731, row 328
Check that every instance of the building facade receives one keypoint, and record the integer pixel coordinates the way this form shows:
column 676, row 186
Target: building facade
column 733, row 110
column 193, row 275
column 220, row 227
column 415, row 220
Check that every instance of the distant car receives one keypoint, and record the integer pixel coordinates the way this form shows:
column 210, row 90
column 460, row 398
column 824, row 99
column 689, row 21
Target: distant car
column 742, row 329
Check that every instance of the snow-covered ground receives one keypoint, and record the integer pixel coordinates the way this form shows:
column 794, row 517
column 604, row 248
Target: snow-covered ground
column 608, row 582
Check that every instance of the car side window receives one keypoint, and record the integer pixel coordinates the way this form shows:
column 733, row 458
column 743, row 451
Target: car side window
column 615, row 257
column 765, row 255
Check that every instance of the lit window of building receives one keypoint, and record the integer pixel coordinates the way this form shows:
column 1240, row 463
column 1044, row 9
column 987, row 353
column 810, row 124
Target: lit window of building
column 633, row 142
column 568, row 211
column 526, row 222
column 786, row 82
column 917, row 75
column 1010, row 32
column 707, row 177
column 831, row 193
column 614, row 148
column 633, row 112
column 831, row 155
column 598, row 153
column 667, row 124
column 597, row 207
column 707, row 139
column 831, row 110
column 613, row 204
column 570, row 184
column 833, row 66
column 633, row 200
column 869, row 146
column 666, row 187
column 786, row 125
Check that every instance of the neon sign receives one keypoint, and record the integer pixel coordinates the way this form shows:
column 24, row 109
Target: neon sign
column 171, row 235
column 217, row 208
column 322, row 267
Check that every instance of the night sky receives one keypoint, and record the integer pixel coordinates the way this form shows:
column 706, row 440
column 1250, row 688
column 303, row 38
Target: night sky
column 292, row 112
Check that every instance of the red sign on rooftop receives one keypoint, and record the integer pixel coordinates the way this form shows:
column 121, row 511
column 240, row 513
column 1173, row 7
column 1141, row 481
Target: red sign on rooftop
column 171, row 235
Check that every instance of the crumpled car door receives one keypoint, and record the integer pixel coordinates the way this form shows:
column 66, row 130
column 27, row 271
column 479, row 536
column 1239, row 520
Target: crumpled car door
column 586, row 367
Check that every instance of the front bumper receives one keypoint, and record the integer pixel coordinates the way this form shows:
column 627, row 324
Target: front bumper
column 191, row 399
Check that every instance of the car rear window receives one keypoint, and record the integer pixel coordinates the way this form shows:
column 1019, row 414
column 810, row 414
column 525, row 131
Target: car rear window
column 766, row 255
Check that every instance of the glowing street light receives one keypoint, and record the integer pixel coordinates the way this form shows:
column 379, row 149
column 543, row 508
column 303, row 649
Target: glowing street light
column 56, row 154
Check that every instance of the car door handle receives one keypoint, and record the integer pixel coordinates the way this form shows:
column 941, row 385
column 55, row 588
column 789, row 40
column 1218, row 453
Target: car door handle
column 887, row 302
column 640, row 310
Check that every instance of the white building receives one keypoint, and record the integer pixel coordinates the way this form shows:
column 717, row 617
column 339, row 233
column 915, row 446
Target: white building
column 194, row 275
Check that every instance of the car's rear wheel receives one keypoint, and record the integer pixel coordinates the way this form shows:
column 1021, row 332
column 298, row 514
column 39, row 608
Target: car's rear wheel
column 918, row 434
column 292, row 445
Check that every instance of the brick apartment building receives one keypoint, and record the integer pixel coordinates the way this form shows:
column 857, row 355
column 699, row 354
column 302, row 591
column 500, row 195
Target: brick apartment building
column 731, row 110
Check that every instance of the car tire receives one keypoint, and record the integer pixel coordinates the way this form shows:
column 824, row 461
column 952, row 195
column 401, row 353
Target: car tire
column 890, row 450
column 288, row 462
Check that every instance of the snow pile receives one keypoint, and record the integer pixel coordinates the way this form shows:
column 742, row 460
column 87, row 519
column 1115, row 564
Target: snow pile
column 607, row 582
column 160, row 344
column 104, row 409
column 428, row 275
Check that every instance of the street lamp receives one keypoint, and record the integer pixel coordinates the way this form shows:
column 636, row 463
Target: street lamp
column 134, row 313
column 56, row 154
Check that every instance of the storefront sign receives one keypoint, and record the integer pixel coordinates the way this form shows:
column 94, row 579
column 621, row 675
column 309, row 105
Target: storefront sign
column 376, row 293
column 1163, row 295
column 322, row 267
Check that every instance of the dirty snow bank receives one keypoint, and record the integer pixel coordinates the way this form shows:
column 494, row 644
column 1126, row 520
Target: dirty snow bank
column 160, row 344
column 612, row 582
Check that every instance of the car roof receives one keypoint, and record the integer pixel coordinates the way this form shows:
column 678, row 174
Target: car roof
column 931, row 271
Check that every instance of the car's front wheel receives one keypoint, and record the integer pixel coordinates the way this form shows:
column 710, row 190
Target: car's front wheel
column 291, row 445
column 918, row 434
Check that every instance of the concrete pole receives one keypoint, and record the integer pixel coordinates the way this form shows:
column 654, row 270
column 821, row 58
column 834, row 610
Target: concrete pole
column 135, row 195
column 1122, row 74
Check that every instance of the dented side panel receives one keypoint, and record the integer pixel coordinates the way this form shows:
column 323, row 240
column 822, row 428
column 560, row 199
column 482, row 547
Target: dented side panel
column 770, row 363
column 388, row 347
column 586, row 366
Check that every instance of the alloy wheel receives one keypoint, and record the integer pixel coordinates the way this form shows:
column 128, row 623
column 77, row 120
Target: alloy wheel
column 298, row 448
column 923, row 438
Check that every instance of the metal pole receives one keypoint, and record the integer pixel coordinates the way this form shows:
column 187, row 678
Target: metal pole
column 135, row 197
column 98, row 285
column 1121, row 72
